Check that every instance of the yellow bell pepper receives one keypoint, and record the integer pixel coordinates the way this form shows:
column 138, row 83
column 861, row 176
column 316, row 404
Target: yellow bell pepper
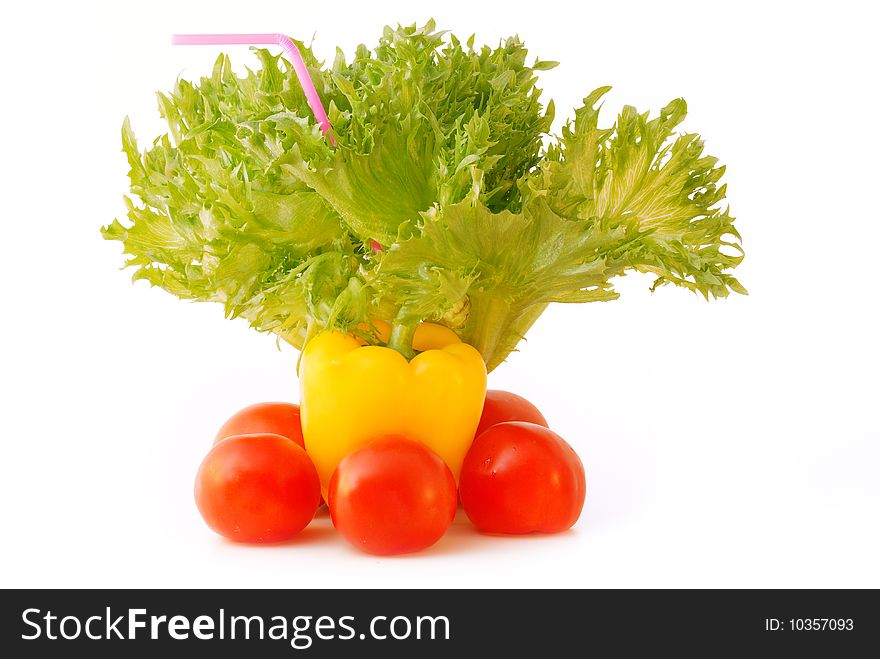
column 351, row 393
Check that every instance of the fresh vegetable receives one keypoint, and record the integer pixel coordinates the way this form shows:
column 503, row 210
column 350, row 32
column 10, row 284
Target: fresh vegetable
column 352, row 393
column 503, row 406
column 521, row 477
column 406, row 257
column 257, row 488
column 277, row 418
column 392, row 496
column 444, row 199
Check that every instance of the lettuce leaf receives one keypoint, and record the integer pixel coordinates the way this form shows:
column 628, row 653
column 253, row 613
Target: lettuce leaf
column 442, row 156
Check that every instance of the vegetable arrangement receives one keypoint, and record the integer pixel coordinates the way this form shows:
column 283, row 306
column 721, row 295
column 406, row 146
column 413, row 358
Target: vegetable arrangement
column 408, row 255
column 391, row 494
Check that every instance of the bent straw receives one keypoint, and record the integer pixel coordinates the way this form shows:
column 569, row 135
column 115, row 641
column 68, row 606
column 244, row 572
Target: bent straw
column 299, row 66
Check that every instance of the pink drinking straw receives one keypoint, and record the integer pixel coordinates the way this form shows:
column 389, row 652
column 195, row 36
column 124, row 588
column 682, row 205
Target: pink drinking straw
column 299, row 66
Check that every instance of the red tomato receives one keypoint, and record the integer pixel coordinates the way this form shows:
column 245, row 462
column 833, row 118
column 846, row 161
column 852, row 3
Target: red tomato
column 257, row 488
column 501, row 406
column 392, row 496
column 521, row 477
column 276, row 418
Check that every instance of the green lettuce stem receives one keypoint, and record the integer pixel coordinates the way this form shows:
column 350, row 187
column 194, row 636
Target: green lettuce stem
column 491, row 316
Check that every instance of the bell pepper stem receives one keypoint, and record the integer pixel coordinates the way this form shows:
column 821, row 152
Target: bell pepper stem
column 402, row 338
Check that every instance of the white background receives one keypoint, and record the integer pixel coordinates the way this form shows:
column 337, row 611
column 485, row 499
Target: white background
column 726, row 444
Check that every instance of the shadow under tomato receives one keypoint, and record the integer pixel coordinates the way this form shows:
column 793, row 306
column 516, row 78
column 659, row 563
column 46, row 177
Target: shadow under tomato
column 464, row 538
column 461, row 538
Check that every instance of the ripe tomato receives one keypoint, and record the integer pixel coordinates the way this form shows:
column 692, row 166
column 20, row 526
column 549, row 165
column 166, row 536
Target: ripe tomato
column 276, row 418
column 521, row 477
column 257, row 488
column 501, row 406
column 392, row 496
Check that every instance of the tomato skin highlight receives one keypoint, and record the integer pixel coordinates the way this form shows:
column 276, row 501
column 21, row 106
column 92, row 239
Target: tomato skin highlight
column 521, row 478
column 275, row 418
column 392, row 496
column 501, row 406
column 257, row 488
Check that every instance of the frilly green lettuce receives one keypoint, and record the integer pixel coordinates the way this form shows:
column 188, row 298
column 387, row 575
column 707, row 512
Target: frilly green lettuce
column 443, row 157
